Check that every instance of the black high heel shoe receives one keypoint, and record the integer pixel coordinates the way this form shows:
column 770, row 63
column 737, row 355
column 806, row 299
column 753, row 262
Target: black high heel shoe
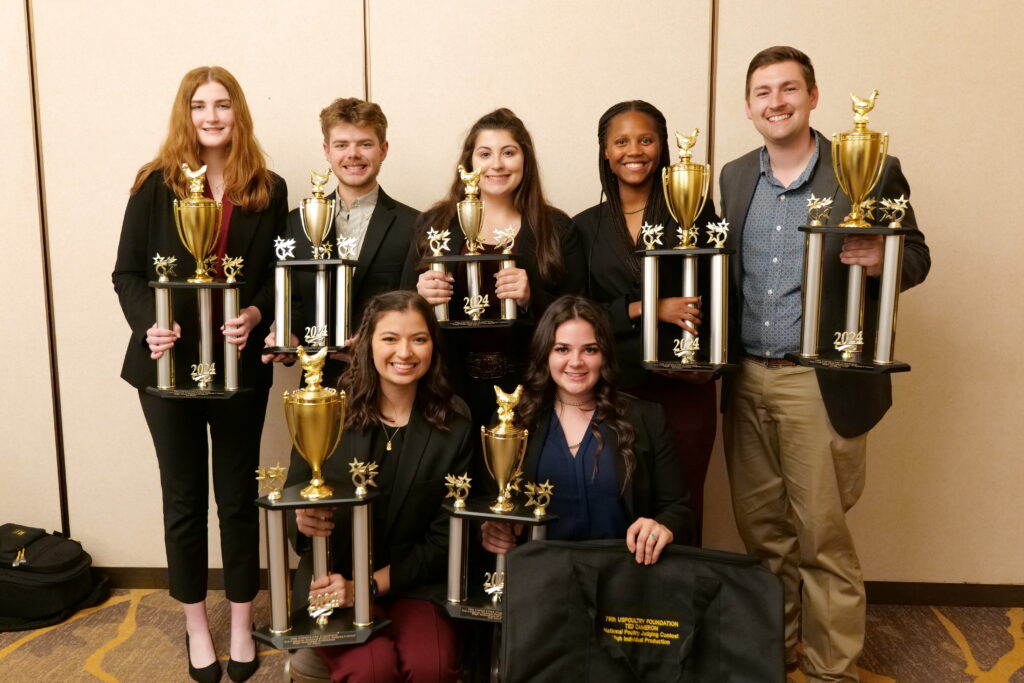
column 242, row 671
column 208, row 674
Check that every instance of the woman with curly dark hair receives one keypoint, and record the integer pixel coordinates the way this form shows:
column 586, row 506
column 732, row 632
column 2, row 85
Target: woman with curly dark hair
column 610, row 456
column 403, row 416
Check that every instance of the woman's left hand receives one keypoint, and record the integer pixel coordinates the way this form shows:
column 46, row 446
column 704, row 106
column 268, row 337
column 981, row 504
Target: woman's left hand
column 334, row 583
column 236, row 330
column 646, row 538
column 513, row 283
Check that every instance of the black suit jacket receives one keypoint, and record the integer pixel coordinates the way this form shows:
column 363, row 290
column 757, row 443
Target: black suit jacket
column 416, row 526
column 614, row 281
column 148, row 229
column 655, row 489
column 855, row 401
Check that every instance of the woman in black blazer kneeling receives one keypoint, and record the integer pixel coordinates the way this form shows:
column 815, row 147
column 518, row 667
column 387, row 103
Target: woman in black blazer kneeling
column 210, row 126
column 403, row 416
column 610, row 456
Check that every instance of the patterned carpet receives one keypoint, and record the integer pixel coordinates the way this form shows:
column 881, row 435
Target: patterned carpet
column 137, row 635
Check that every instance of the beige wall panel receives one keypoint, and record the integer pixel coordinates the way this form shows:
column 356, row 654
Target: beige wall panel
column 108, row 73
column 436, row 67
column 944, row 466
column 28, row 489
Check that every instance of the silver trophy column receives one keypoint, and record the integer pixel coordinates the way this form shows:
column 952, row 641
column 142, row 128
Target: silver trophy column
column 440, row 310
column 205, row 326
column 165, row 321
column 856, row 284
column 342, row 321
column 362, row 565
column 322, row 288
column 458, row 558
column 892, row 267
column 473, row 284
column 277, row 568
column 282, row 306
column 719, row 335
column 689, row 290
column 813, row 253
column 649, row 308
column 508, row 306
column 231, row 310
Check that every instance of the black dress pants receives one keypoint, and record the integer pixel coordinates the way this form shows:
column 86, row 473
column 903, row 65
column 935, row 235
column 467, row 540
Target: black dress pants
column 179, row 429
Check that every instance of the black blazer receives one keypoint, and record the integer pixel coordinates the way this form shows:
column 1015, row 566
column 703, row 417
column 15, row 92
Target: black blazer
column 614, row 280
column 149, row 229
column 855, row 401
column 381, row 259
column 416, row 525
column 656, row 488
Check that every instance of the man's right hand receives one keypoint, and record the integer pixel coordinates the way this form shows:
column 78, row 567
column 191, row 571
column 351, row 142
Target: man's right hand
column 278, row 357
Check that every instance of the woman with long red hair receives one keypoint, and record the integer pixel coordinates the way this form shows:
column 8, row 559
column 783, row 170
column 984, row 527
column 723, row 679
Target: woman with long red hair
column 210, row 126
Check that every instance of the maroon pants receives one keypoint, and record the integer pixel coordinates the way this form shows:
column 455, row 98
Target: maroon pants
column 692, row 414
column 419, row 645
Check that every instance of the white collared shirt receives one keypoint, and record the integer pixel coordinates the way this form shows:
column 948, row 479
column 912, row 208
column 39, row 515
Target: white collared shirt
column 352, row 221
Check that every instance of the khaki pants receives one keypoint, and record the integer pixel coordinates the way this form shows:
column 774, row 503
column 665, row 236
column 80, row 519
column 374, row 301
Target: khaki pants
column 793, row 479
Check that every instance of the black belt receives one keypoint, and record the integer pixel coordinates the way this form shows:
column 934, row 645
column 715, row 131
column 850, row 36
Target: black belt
column 770, row 362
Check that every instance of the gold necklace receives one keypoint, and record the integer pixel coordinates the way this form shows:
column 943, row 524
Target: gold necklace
column 630, row 213
column 392, row 436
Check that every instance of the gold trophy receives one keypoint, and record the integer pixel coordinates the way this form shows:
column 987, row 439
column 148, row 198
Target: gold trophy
column 504, row 448
column 316, row 418
column 686, row 190
column 471, row 220
column 198, row 221
column 858, row 157
column 317, row 215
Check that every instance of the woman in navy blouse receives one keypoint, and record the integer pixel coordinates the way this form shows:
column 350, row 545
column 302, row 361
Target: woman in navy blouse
column 609, row 455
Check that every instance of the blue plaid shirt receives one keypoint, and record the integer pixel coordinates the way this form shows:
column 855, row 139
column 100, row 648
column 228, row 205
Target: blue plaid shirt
column 773, row 261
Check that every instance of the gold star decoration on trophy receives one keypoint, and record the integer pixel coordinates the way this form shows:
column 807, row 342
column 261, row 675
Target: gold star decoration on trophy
column 284, row 249
column 894, row 210
column 685, row 143
column 232, row 266
column 686, row 349
column 323, row 251
column 271, row 480
column 539, row 497
column 867, row 208
column 506, row 238
column 438, row 241
column 687, row 237
column 347, row 247
column 651, row 235
column 718, row 233
column 202, row 374
column 322, row 606
column 363, row 475
column 165, row 266
column 210, row 264
column 458, row 488
column 818, row 209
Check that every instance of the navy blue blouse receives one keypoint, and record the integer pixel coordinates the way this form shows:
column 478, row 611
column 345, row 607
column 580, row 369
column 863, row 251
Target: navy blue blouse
column 587, row 503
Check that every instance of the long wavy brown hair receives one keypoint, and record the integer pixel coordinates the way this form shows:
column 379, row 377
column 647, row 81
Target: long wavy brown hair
column 539, row 391
column 528, row 197
column 247, row 181
column 361, row 381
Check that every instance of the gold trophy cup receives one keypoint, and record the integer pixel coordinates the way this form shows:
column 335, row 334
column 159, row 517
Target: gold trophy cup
column 858, row 157
column 471, row 210
column 317, row 214
column 316, row 418
column 504, row 448
column 686, row 189
column 198, row 221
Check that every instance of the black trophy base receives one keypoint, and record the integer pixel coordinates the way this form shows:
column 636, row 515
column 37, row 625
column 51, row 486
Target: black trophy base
column 195, row 392
column 696, row 366
column 477, row 606
column 309, row 349
column 833, row 361
column 474, row 324
column 480, row 509
column 291, row 497
column 305, row 632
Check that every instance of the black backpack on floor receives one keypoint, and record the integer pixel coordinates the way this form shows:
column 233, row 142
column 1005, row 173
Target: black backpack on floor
column 44, row 578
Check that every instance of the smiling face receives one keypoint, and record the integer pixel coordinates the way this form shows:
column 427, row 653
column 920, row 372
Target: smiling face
column 575, row 361
column 780, row 103
column 401, row 348
column 212, row 115
column 355, row 154
column 500, row 159
column 632, row 148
